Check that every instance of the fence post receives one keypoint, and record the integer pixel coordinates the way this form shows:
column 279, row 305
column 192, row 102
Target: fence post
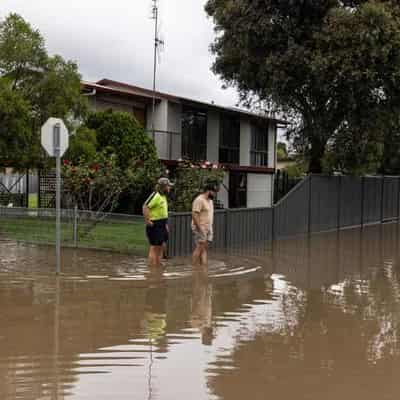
column 309, row 202
column 362, row 200
column 273, row 233
column 382, row 196
column 38, row 191
column 227, row 223
column 398, row 199
column 27, row 189
column 75, row 226
column 339, row 198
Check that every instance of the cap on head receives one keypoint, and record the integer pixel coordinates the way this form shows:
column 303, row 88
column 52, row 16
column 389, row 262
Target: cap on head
column 165, row 182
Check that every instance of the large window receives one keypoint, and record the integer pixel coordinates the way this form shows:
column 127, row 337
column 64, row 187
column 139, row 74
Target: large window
column 259, row 145
column 194, row 134
column 229, row 139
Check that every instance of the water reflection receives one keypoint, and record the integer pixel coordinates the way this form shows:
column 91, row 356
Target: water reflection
column 320, row 321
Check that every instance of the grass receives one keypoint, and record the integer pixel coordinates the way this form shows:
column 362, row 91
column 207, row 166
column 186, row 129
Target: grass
column 33, row 200
column 120, row 237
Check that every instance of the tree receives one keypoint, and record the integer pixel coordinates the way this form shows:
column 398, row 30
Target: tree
column 119, row 134
column 48, row 86
column 15, row 129
column 82, row 145
column 331, row 66
column 282, row 153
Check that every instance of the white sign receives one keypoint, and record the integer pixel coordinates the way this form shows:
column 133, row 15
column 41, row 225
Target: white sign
column 55, row 137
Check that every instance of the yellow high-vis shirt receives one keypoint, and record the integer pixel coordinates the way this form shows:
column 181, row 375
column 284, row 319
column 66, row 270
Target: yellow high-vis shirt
column 157, row 203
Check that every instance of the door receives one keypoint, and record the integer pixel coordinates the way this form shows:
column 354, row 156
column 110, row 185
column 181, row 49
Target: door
column 237, row 189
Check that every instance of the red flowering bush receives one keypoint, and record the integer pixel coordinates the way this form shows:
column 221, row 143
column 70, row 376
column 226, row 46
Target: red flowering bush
column 95, row 185
column 190, row 179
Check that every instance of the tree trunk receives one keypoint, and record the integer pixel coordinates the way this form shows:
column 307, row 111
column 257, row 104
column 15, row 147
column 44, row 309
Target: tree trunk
column 316, row 154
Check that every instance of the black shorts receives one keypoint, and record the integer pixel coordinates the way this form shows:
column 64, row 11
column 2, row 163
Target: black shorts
column 158, row 233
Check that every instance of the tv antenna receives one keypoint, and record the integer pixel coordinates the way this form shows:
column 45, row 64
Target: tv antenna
column 158, row 47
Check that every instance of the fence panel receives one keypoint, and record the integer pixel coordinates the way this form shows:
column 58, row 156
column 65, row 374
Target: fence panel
column 390, row 197
column 324, row 206
column 220, row 229
column 248, row 226
column 14, row 189
column 372, row 203
column 350, row 201
column 180, row 242
column 291, row 213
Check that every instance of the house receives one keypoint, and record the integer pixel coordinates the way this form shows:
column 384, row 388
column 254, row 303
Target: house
column 243, row 142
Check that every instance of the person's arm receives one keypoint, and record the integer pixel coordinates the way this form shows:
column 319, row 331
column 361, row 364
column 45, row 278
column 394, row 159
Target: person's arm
column 150, row 203
column 196, row 209
column 146, row 213
column 196, row 220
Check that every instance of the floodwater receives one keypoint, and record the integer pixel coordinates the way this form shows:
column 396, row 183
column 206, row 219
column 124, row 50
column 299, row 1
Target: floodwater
column 310, row 318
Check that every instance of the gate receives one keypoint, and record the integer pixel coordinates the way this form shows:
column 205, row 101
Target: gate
column 14, row 189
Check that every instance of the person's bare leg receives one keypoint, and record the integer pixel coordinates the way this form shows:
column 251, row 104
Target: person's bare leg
column 159, row 250
column 151, row 259
column 155, row 256
column 204, row 255
column 160, row 255
column 196, row 255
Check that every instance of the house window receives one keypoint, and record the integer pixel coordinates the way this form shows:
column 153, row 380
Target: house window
column 229, row 139
column 194, row 134
column 259, row 145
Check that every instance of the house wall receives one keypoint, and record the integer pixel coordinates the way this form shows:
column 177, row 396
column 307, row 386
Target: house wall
column 245, row 141
column 223, row 194
column 213, row 119
column 271, row 144
column 259, row 190
column 174, row 127
column 160, row 124
column 105, row 102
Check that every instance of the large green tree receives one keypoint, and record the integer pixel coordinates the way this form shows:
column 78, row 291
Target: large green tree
column 331, row 66
column 15, row 129
column 46, row 85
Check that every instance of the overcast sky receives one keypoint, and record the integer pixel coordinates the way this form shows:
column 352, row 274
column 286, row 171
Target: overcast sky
column 114, row 39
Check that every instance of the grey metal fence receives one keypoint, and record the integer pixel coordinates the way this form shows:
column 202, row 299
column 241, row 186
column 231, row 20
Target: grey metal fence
column 317, row 204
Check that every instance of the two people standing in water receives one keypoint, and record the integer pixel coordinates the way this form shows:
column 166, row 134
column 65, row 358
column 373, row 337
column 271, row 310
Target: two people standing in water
column 155, row 211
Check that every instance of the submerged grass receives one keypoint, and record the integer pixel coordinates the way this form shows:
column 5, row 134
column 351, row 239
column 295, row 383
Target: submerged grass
column 114, row 236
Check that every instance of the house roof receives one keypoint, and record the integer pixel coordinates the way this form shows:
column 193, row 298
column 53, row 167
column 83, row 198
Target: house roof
column 120, row 91
column 111, row 86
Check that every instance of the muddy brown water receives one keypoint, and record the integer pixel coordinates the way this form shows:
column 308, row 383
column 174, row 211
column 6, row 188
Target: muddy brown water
column 310, row 318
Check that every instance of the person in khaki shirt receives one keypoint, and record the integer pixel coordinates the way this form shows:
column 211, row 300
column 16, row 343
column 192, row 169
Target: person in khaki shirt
column 202, row 224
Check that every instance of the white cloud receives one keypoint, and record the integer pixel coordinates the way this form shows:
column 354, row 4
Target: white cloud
column 114, row 40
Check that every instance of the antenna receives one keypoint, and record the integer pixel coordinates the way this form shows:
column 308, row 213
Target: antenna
column 158, row 44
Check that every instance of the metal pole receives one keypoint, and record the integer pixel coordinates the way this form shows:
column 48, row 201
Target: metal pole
column 362, row 200
column 155, row 16
column 56, row 338
column 56, row 142
column 75, row 226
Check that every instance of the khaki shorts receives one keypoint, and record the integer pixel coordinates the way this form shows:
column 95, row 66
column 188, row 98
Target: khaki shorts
column 201, row 237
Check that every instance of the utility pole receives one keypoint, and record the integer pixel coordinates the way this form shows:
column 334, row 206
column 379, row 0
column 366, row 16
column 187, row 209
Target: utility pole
column 157, row 43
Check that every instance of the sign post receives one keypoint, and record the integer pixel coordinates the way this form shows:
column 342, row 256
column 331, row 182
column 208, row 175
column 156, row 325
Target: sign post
column 55, row 141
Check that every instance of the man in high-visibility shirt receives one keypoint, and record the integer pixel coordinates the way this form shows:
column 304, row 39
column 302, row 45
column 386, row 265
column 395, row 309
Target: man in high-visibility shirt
column 155, row 211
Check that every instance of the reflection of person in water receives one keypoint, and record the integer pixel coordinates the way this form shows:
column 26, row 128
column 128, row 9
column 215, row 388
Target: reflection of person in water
column 155, row 316
column 202, row 307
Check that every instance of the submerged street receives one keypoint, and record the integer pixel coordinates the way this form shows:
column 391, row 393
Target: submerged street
column 307, row 318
